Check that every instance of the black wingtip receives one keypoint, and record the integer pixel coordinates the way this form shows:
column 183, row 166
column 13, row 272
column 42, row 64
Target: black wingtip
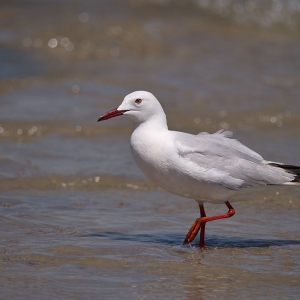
column 295, row 170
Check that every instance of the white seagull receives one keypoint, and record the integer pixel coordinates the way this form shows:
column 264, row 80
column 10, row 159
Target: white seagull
column 204, row 167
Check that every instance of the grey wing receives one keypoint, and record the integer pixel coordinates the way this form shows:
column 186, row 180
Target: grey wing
column 221, row 144
column 227, row 161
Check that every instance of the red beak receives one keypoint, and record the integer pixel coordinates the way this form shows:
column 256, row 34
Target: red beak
column 110, row 114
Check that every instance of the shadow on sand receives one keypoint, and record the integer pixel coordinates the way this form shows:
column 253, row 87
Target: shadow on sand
column 173, row 239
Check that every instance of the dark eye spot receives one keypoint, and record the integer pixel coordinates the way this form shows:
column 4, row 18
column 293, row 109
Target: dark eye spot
column 138, row 101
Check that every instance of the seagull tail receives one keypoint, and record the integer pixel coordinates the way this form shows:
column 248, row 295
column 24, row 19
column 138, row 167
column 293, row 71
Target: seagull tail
column 295, row 170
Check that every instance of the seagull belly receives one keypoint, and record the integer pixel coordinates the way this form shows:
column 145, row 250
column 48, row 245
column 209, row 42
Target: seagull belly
column 156, row 164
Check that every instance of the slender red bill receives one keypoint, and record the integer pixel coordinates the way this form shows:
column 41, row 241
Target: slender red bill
column 112, row 113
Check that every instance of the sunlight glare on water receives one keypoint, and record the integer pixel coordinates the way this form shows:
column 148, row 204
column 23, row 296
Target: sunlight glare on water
column 78, row 218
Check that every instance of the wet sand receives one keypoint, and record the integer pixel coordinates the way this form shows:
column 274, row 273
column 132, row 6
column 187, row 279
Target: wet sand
column 78, row 218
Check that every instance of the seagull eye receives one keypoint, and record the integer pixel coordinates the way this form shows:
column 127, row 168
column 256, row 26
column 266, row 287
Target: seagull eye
column 138, row 101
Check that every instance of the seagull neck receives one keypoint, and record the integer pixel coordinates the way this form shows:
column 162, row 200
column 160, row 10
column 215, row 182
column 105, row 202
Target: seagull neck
column 156, row 122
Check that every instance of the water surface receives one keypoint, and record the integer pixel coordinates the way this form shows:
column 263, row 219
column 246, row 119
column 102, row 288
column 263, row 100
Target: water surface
column 78, row 218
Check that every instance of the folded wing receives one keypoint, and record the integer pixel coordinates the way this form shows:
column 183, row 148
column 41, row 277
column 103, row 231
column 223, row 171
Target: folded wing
column 217, row 158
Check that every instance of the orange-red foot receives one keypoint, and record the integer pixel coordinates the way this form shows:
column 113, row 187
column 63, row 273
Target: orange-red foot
column 200, row 223
column 193, row 231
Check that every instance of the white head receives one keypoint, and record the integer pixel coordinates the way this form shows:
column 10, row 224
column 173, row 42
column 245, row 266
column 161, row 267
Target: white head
column 139, row 106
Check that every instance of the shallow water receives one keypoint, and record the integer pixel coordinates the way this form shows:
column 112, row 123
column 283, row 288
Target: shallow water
column 78, row 218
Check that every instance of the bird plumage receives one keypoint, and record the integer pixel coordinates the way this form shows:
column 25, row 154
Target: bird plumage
column 205, row 167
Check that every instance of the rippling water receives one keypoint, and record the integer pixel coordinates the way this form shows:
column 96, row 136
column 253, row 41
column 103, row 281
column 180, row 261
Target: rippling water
column 78, row 219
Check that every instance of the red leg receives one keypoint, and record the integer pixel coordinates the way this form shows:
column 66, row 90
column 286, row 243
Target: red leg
column 200, row 224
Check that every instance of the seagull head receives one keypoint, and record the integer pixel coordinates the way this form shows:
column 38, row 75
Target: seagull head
column 139, row 106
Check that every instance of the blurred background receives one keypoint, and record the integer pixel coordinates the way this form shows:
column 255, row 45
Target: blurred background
column 73, row 202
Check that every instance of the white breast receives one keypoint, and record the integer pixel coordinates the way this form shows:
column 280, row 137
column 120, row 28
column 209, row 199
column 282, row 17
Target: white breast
column 148, row 150
column 152, row 153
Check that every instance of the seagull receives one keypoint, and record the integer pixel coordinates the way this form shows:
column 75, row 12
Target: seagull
column 205, row 167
